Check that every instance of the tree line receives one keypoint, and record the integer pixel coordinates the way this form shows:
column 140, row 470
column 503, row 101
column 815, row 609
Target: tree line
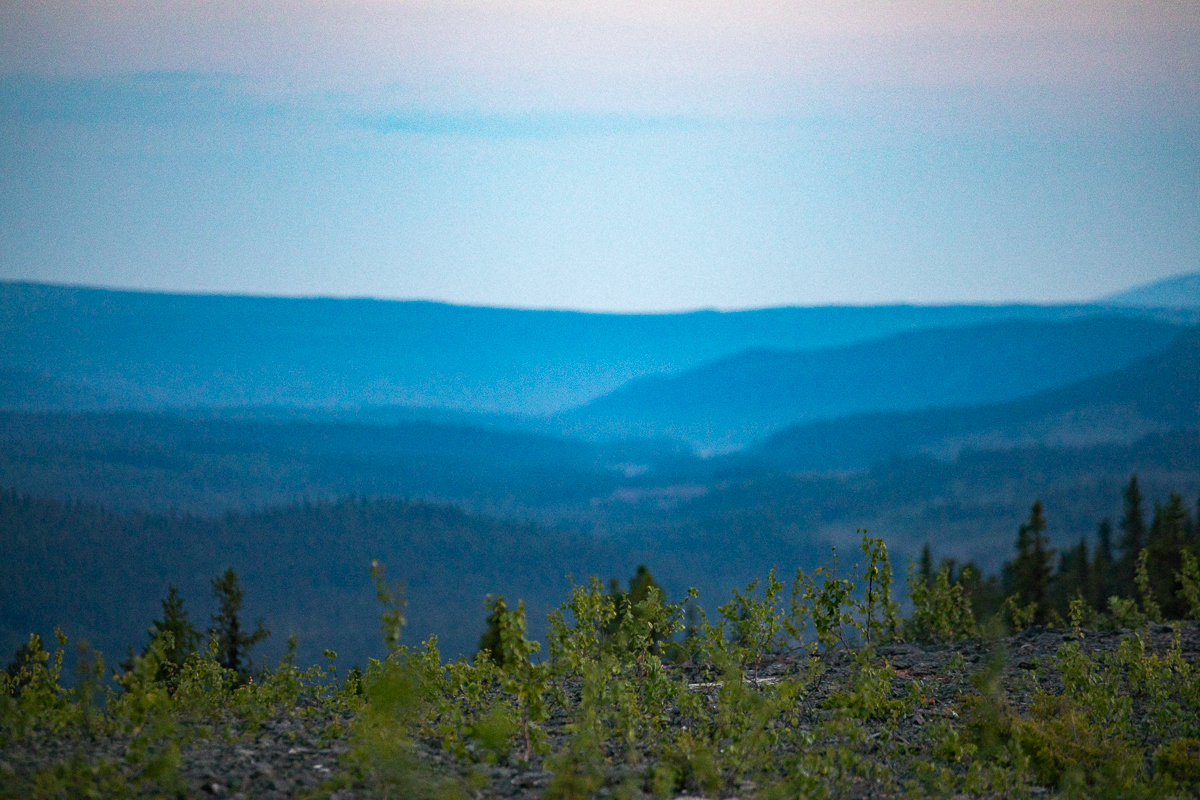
column 1135, row 561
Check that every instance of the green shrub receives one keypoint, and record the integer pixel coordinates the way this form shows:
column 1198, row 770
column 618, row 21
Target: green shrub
column 1067, row 750
column 1179, row 760
column 941, row 609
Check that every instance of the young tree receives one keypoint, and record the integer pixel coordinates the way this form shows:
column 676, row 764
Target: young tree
column 235, row 644
column 392, row 597
column 1029, row 575
column 184, row 636
column 1074, row 578
column 1133, row 538
column 925, row 568
column 491, row 642
column 627, row 602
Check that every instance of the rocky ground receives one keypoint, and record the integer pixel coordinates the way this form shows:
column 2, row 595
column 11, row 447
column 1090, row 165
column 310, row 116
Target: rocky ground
column 302, row 754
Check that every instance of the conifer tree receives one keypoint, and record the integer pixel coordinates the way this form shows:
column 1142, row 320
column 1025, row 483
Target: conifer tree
column 184, row 636
column 1029, row 575
column 1102, row 566
column 490, row 642
column 627, row 602
column 1074, row 578
column 1165, row 543
column 235, row 644
column 640, row 585
column 925, row 569
column 1133, row 537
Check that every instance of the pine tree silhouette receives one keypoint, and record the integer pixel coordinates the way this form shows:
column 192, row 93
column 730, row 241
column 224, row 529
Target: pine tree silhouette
column 1165, row 542
column 227, row 624
column 184, row 636
column 1133, row 538
column 1103, row 578
column 1031, row 571
column 490, row 642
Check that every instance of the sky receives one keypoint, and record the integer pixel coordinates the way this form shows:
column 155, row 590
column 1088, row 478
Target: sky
column 614, row 156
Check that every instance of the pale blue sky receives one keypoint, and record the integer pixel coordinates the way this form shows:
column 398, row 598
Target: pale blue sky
column 653, row 156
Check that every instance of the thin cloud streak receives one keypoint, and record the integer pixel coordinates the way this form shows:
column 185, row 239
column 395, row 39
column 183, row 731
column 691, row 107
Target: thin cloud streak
column 708, row 58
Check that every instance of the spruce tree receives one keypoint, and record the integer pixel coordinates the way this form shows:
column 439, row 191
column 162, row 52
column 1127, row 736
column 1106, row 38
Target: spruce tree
column 490, row 642
column 1074, row 578
column 184, row 636
column 1030, row 572
column 1165, row 543
column 627, row 602
column 235, row 644
column 1102, row 567
column 1133, row 537
column 640, row 585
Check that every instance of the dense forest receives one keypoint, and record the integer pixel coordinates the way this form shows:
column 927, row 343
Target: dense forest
column 823, row 684
column 708, row 534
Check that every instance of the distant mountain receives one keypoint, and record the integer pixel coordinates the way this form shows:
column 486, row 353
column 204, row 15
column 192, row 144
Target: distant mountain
column 749, row 395
column 1157, row 393
column 1182, row 291
column 78, row 348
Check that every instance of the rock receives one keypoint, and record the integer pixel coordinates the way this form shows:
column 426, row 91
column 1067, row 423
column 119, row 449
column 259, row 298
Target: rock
column 530, row 779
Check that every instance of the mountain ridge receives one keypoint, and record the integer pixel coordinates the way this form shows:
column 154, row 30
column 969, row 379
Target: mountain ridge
column 1178, row 291
column 1156, row 393
column 749, row 395
column 83, row 348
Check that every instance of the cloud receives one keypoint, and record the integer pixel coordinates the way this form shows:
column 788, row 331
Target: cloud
column 647, row 57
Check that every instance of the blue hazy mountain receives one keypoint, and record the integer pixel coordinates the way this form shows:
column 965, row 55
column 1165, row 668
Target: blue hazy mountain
column 78, row 348
column 1160, row 392
column 744, row 397
column 1181, row 291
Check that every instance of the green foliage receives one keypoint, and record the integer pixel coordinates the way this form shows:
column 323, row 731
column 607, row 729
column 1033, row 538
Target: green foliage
column 869, row 694
column 1124, row 613
column 383, row 729
column 179, row 635
column 1065, row 750
column 830, row 602
column 32, row 696
column 524, row 680
column 1189, row 583
column 757, row 624
column 578, row 769
column 392, row 597
column 491, row 644
column 1167, row 542
column 877, row 599
column 1145, row 590
column 941, row 609
column 1179, row 760
column 780, row 694
column 1018, row 616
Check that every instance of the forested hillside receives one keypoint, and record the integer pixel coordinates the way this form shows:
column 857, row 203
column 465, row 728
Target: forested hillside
column 305, row 568
column 748, row 396
column 138, row 461
column 710, row 536
column 1156, row 393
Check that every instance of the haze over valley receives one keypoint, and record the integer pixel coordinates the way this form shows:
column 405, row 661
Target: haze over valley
column 709, row 446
